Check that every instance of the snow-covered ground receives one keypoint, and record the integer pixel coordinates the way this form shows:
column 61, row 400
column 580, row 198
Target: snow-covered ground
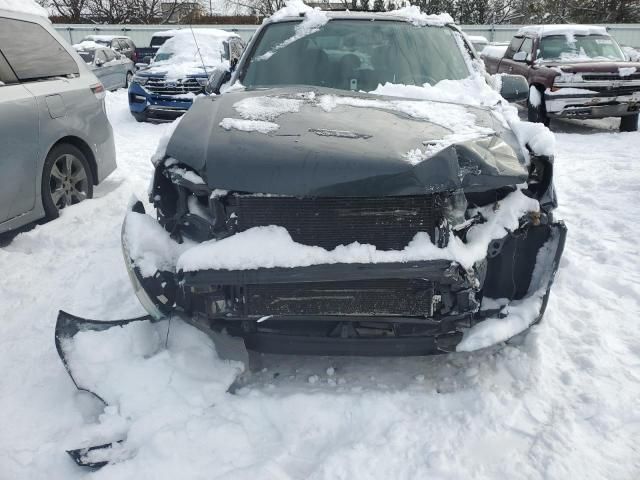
column 560, row 402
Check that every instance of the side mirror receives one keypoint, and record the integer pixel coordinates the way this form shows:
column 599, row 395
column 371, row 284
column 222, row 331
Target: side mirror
column 514, row 88
column 147, row 59
column 219, row 77
column 520, row 57
column 99, row 62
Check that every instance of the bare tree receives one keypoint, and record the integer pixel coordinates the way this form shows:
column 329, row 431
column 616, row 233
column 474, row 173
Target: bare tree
column 72, row 10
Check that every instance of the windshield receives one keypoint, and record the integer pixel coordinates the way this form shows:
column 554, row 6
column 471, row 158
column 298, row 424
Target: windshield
column 355, row 55
column 193, row 48
column 87, row 56
column 571, row 48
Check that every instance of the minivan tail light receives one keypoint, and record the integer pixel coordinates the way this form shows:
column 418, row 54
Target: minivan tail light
column 98, row 91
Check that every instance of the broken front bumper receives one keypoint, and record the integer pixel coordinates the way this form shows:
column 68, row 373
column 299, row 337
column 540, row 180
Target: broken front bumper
column 612, row 102
column 412, row 308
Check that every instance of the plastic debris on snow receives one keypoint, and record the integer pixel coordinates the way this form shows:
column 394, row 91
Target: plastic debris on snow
column 24, row 6
column 626, row 71
column 272, row 246
column 249, row 125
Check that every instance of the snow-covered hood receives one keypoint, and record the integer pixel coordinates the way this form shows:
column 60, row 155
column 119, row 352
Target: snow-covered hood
column 162, row 71
column 310, row 141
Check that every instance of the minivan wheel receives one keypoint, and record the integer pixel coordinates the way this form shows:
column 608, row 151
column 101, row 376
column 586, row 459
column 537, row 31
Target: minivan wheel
column 66, row 179
column 629, row 123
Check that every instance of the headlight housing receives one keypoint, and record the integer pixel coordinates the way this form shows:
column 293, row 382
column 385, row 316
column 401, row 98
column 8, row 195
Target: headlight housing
column 140, row 80
column 202, row 81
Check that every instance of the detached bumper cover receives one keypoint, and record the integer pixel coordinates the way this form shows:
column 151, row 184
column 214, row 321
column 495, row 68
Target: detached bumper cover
column 413, row 308
column 602, row 102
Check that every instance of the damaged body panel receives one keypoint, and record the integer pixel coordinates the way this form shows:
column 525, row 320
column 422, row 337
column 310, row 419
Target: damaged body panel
column 370, row 161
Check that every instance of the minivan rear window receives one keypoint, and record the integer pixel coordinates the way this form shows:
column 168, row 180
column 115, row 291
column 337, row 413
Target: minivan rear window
column 32, row 52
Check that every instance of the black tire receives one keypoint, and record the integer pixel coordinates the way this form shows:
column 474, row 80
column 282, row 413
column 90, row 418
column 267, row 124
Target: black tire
column 537, row 114
column 629, row 123
column 140, row 117
column 66, row 179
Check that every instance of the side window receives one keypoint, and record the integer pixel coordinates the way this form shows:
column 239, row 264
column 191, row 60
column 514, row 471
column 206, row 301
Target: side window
column 32, row 52
column 109, row 54
column 6, row 74
column 514, row 46
column 101, row 58
column 526, row 46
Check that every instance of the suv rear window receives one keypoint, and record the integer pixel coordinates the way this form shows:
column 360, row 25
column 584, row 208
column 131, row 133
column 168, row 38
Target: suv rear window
column 32, row 52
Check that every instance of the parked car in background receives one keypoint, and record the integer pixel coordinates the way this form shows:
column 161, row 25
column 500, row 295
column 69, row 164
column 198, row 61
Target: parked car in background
column 56, row 142
column 574, row 71
column 180, row 71
column 146, row 54
column 478, row 42
column 494, row 50
column 121, row 44
column 113, row 69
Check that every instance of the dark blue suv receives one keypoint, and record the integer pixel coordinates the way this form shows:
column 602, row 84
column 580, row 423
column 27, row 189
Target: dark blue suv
column 180, row 70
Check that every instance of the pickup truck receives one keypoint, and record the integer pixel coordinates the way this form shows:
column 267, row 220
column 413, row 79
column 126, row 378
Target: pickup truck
column 574, row 71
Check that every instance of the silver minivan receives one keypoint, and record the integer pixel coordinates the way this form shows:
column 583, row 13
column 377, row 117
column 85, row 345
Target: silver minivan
column 56, row 142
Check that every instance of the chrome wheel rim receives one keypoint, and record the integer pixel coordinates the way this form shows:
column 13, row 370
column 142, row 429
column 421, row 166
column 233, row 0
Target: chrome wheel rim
column 68, row 181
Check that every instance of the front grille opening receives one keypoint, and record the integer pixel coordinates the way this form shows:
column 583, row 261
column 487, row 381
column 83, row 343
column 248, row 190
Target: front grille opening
column 179, row 87
column 389, row 223
column 388, row 297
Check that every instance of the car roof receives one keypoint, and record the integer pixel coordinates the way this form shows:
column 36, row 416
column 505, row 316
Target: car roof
column 397, row 15
column 562, row 29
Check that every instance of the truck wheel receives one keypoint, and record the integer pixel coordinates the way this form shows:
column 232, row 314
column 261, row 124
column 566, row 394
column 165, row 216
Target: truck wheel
column 536, row 111
column 66, row 179
column 629, row 123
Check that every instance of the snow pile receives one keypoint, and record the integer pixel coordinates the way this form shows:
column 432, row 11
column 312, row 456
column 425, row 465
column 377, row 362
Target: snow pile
column 626, row 71
column 413, row 14
column 272, row 246
column 535, row 97
column 474, row 90
column 24, row 6
column 313, row 20
column 494, row 51
column 149, row 245
column 249, row 125
column 266, row 108
column 188, row 52
column 87, row 45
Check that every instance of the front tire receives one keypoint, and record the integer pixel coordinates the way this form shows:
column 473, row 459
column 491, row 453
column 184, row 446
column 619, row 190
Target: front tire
column 629, row 123
column 536, row 111
column 66, row 179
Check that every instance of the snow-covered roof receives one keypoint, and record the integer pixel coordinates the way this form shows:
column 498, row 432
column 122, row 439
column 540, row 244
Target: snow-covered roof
column 494, row 51
column 477, row 39
column 24, row 6
column 167, row 33
column 87, row 45
column 297, row 9
column 103, row 38
column 545, row 30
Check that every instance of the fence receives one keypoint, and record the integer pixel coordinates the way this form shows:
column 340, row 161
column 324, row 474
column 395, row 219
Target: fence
column 625, row 34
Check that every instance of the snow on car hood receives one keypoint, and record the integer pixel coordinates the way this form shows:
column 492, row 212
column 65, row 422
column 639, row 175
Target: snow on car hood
column 312, row 141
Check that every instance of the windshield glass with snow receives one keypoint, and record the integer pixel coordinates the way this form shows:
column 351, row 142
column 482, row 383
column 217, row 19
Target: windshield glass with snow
column 355, row 55
column 571, row 48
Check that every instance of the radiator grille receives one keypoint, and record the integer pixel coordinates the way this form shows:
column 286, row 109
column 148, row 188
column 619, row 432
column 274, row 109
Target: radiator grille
column 389, row 223
column 364, row 297
column 179, row 87
column 609, row 76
